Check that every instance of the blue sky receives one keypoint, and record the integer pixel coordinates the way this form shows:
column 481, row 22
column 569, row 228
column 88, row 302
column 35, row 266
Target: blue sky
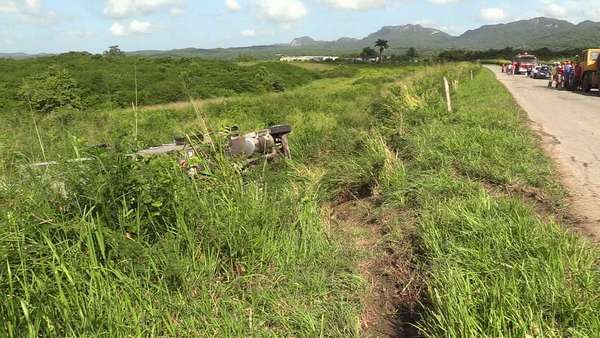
column 34, row 26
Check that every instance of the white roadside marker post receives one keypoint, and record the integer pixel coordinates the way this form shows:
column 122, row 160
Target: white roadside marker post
column 448, row 99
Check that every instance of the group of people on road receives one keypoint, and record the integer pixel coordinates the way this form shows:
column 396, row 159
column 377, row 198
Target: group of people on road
column 509, row 69
column 566, row 75
column 514, row 68
column 563, row 75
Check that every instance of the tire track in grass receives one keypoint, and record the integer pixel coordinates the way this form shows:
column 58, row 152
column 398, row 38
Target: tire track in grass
column 385, row 240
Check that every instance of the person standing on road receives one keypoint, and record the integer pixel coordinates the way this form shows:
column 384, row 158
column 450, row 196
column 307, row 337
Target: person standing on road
column 555, row 76
column 561, row 76
column 577, row 76
column 568, row 78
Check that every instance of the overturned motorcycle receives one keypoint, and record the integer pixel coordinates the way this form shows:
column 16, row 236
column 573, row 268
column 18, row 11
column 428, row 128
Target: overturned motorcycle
column 252, row 148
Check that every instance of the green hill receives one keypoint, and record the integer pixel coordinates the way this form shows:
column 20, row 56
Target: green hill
column 116, row 82
column 519, row 34
column 584, row 34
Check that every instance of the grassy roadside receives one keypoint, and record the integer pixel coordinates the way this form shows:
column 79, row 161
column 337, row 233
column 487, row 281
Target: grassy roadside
column 236, row 254
column 257, row 253
column 494, row 266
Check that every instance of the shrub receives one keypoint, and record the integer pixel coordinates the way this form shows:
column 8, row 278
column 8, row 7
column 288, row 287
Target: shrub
column 51, row 90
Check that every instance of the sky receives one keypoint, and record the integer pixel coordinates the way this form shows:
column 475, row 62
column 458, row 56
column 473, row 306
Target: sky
column 54, row 26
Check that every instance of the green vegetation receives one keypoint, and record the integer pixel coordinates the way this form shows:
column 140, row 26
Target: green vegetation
column 368, row 53
column 382, row 45
column 494, row 266
column 51, row 91
column 506, row 54
column 138, row 248
column 110, row 82
column 117, row 247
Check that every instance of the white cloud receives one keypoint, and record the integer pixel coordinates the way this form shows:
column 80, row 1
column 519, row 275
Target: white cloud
column 282, row 11
column 28, row 10
column 249, row 33
column 358, row 4
column 176, row 11
column 33, row 5
column 233, row 5
column 8, row 7
column 493, row 14
column 442, row 2
column 555, row 10
column 117, row 29
column 125, row 8
column 134, row 27
column 572, row 10
column 370, row 4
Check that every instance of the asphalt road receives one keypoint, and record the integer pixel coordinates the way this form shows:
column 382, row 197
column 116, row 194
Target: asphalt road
column 569, row 124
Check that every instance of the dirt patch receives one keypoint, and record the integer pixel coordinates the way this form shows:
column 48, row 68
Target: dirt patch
column 385, row 237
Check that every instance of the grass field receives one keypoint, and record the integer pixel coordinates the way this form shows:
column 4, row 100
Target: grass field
column 137, row 248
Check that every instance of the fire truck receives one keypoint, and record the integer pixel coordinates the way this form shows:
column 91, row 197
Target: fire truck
column 524, row 62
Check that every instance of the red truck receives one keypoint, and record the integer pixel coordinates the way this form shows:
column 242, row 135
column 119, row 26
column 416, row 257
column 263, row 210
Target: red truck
column 524, row 62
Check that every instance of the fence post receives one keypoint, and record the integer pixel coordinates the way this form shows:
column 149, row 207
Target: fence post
column 448, row 99
column 471, row 75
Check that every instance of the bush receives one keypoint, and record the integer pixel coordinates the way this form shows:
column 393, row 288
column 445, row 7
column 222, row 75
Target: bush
column 51, row 90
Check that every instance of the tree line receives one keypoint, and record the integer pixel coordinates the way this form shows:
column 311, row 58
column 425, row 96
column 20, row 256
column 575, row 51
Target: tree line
column 381, row 44
column 506, row 53
column 464, row 54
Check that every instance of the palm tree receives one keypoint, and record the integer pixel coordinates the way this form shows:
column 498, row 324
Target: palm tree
column 382, row 45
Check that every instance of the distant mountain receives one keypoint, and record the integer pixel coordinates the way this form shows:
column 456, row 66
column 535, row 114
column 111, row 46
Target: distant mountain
column 21, row 55
column 519, row 34
column 407, row 36
column 303, row 42
column 523, row 34
column 399, row 37
column 15, row 56
column 586, row 33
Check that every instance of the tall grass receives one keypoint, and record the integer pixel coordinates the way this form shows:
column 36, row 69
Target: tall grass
column 495, row 267
column 117, row 247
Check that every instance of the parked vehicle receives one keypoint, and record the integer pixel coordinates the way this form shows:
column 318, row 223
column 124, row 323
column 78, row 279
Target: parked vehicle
column 524, row 62
column 589, row 63
column 541, row 72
